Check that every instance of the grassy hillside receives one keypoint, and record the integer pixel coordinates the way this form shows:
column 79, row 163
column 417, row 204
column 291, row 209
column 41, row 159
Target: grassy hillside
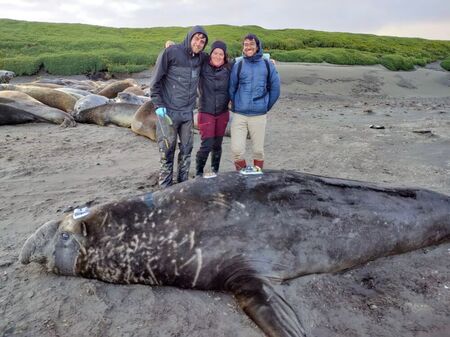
column 67, row 49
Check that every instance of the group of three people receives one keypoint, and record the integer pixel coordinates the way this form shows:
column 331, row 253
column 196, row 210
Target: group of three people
column 251, row 84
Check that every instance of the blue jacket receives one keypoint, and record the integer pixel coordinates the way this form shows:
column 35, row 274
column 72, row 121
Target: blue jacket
column 249, row 94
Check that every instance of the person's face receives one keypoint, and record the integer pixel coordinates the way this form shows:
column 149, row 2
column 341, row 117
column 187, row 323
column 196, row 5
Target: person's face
column 217, row 57
column 198, row 42
column 250, row 48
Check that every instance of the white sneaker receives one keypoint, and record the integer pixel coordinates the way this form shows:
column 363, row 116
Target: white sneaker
column 251, row 170
column 208, row 175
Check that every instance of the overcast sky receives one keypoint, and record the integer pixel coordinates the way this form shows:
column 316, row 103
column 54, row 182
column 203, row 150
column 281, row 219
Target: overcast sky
column 427, row 19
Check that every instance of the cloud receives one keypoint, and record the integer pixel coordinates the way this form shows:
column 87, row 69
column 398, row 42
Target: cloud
column 389, row 17
column 428, row 30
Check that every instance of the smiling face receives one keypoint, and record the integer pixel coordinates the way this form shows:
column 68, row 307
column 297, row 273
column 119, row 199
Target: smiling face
column 250, row 48
column 198, row 43
column 217, row 57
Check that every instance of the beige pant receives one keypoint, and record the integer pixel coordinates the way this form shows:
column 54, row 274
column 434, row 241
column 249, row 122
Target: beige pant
column 240, row 126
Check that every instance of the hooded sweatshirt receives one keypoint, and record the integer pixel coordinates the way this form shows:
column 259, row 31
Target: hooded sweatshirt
column 175, row 78
column 249, row 92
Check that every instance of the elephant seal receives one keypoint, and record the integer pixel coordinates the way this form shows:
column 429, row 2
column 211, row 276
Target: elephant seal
column 64, row 83
column 111, row 90
column 120, row 114
column 135, row 90
column 128, row 97
column 90, row 101
column 242, row 234
column 48, row 96
column 144, row 121
column 6, row 76
column 17, row 107
column 75, row 93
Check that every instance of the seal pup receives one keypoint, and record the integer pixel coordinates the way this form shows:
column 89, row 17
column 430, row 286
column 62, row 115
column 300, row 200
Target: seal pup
column 242, row 234
column 17, row 107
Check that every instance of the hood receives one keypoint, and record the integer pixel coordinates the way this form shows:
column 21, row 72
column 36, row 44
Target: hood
column 192, row 32
column 258, row 54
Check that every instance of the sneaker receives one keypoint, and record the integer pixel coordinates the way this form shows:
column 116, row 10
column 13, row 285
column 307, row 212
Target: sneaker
column 208, row 175
column 251, row 170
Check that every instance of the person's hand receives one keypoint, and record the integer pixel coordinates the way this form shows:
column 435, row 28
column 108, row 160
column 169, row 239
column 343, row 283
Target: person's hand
column 161, row 112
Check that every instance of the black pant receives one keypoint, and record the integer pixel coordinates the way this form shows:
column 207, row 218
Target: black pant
column 167, row 140
column 213, row 145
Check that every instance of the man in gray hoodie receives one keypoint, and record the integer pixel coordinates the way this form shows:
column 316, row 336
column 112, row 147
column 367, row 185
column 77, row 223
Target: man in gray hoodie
column 174, row 91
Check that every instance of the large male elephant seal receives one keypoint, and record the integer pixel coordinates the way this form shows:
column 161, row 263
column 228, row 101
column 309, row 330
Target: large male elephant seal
column 242, row 234
column 17, row 107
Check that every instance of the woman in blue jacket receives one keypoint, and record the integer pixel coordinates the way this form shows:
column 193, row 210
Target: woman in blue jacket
column 254, row 88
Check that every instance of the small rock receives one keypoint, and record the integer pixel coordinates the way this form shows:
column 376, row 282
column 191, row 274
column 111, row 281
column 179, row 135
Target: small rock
column 374, row 126
column 422, row 132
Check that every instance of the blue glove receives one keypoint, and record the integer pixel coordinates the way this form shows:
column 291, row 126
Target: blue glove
column 161, row 112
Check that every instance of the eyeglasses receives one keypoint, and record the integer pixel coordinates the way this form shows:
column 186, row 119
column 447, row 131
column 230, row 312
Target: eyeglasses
column 250, row 44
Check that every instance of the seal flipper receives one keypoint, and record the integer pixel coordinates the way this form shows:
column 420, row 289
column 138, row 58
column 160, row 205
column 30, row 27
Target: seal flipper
column 259, row 300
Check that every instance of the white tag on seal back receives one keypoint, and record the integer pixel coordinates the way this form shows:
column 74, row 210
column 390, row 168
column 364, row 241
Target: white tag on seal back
column 80, row 212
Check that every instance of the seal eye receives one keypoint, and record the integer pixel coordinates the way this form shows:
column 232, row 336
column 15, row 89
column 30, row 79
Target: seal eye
column 65, row 236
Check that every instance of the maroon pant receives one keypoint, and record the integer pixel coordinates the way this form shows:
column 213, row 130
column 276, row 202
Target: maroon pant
column 212, row 126
column 212, row 129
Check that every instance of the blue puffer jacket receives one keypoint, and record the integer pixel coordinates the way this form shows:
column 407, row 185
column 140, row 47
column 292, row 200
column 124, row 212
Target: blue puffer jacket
column 249, row 94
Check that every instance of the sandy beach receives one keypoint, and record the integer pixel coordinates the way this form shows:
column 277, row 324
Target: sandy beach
column 355, row 122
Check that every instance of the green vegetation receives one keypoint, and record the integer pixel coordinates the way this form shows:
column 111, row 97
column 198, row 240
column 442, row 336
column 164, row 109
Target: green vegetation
column 67, row 49
column 446, row 64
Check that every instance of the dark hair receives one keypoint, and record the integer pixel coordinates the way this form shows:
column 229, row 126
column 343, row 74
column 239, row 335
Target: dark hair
column 251, row 37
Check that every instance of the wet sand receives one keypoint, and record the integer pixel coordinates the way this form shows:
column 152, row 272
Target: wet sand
column 320, row 125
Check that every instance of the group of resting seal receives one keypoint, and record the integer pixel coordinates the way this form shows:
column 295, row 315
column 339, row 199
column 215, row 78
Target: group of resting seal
column 67, row 102
column 242, row 234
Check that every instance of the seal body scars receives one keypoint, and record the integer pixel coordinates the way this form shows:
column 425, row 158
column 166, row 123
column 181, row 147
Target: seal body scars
column 242, row 233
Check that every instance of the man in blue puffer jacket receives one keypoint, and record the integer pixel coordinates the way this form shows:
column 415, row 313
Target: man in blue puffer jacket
column 254, row 89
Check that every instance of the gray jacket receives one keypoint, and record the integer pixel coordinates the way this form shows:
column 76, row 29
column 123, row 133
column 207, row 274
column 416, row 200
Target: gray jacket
column 175, row 78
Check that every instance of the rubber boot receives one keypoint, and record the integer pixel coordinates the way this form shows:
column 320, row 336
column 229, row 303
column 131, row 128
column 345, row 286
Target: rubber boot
column 200, row 165
column 259, row 163
column 215, row 161
column 240, row 164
